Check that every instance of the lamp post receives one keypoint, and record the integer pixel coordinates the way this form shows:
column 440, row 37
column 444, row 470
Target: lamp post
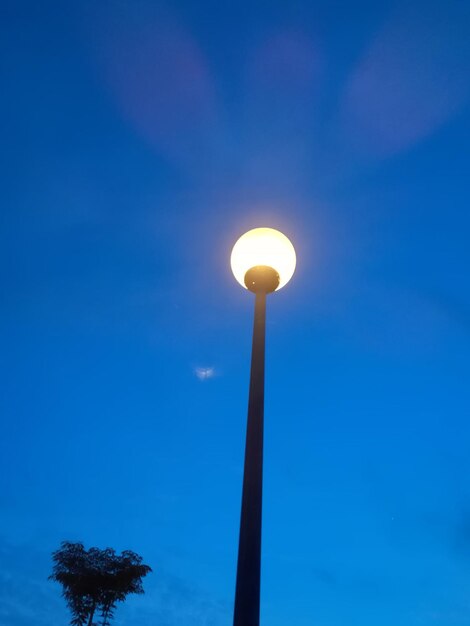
column 263, row 260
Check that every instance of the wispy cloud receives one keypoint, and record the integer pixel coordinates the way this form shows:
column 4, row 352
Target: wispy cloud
column 26, row 596
column 170, row 600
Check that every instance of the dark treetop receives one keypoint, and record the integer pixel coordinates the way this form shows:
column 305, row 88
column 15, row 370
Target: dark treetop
column 96, row 580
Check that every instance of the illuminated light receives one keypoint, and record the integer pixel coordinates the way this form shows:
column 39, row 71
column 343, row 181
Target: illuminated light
column 263, row 247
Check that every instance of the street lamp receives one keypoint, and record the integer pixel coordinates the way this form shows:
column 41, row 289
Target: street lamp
column 263, row 261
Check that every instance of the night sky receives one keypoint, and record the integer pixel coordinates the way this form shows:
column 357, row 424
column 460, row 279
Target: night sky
column 139, row 140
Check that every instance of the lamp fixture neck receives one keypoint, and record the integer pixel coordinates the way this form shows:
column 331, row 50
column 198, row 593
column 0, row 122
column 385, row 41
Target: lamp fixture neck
column 262, row 279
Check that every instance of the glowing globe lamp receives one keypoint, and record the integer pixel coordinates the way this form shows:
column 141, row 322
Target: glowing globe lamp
column 263, row 259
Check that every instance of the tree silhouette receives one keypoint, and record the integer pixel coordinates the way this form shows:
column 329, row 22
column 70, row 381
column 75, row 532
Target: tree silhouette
column 96, row 580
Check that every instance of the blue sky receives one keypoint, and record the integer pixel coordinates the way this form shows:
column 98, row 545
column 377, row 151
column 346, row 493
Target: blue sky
column 139, row 140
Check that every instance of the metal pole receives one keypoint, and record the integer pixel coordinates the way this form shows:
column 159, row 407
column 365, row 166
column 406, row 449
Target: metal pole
column 247, row 593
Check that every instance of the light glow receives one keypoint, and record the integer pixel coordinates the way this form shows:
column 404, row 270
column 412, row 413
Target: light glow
column 263, row 246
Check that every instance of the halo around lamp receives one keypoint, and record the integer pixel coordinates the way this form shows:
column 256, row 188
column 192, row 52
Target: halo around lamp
column 263, row 247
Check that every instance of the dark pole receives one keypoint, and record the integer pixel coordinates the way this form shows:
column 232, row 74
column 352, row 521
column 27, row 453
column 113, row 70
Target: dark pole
column 261, row 280
column 247, row 592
